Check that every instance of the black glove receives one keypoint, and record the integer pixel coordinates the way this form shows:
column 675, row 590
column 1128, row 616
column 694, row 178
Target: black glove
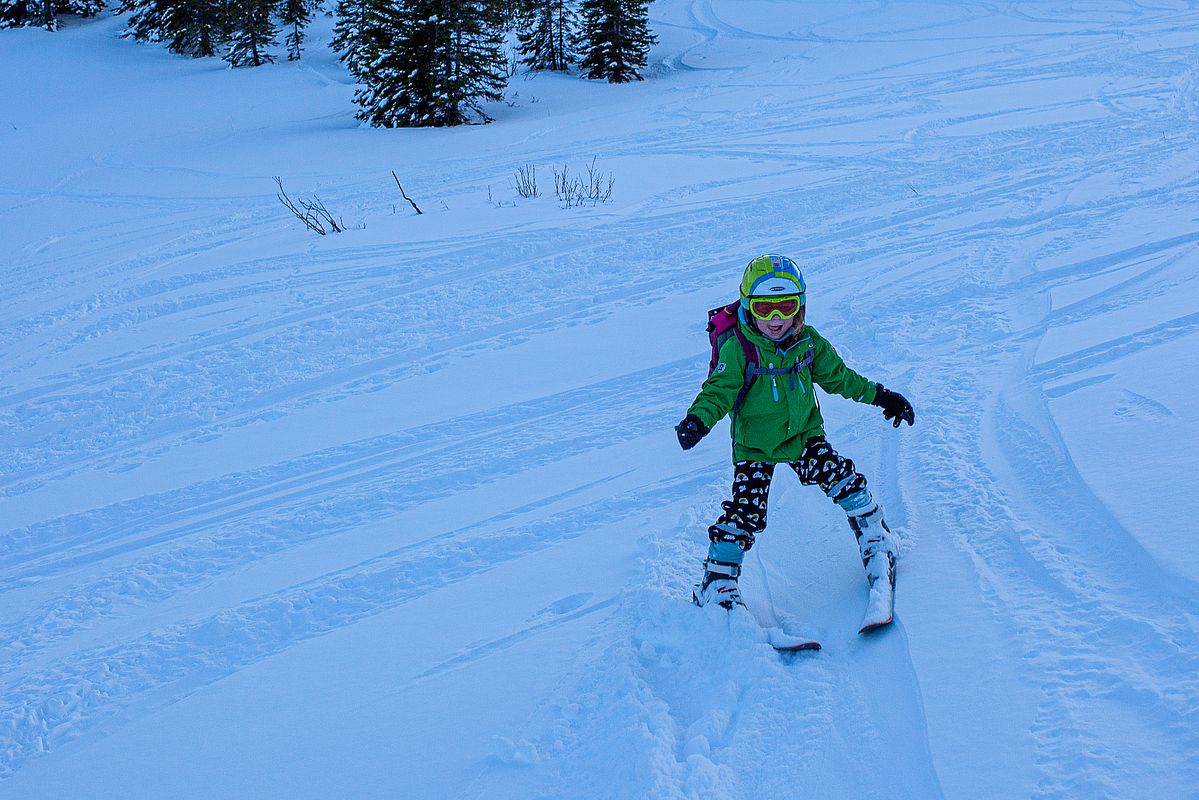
column 894, row 405
column 690, row 431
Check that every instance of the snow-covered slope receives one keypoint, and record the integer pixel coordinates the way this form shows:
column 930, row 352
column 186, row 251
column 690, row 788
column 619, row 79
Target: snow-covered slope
column 399, row 511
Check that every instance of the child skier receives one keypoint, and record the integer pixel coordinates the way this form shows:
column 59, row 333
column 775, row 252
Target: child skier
column 763, row 376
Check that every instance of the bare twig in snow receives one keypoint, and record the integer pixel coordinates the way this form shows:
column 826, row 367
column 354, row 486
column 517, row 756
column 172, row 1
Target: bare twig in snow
column 526, row 181
column 573, row 191
column 405, row 194
column 311, row 212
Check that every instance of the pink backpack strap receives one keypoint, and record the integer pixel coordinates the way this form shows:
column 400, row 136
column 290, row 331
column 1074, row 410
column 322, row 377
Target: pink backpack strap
column 723, row 322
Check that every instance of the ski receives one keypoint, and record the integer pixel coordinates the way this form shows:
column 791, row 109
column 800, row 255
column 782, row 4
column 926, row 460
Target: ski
column 778, row 638
column 784, row 642
column 880, row 606
column 869, row 627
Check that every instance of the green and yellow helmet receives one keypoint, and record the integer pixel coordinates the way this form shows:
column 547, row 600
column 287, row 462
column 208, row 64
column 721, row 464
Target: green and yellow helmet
column 772, row 276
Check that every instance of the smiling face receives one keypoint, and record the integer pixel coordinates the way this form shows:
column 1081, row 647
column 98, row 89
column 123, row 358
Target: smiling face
column 778, row 328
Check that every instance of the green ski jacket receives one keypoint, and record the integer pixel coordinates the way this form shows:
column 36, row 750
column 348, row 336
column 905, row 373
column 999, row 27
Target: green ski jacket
column 780, row 412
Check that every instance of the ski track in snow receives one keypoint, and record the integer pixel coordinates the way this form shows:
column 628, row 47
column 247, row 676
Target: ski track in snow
column 61, row 700
column 224, row 525
column 937, row 239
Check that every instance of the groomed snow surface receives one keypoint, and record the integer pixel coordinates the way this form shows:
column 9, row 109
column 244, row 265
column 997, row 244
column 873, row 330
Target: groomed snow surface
column 399, row 512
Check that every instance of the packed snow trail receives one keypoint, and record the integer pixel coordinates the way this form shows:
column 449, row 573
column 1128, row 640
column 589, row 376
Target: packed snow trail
column 400, row 510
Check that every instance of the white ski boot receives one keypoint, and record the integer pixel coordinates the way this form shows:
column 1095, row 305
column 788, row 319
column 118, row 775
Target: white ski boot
column 878, row 558
column 719, row 585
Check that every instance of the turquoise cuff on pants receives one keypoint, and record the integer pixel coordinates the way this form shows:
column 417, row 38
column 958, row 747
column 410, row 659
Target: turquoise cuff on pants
column 725, row 552
column 857, row 502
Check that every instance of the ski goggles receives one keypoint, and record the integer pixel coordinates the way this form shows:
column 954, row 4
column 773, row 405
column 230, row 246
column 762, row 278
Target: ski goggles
column 775, row 307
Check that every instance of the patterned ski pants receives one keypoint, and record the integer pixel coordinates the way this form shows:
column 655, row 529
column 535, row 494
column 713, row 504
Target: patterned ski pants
column 745, row 515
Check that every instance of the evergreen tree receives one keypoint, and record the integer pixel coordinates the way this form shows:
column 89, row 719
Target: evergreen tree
column 19, row 13
column 504, row 15
column 44, row 13
column 616, row 39
column 359, row 35
column 295, row 13
column 425, row 62
column 347, row 32
column 252, row 31
column 476, row 65
column 197, row 28
column 550, row 32
column 148, row 18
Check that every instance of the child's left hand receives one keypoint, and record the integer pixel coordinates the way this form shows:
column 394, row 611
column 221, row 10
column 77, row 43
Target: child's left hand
column 894, row 405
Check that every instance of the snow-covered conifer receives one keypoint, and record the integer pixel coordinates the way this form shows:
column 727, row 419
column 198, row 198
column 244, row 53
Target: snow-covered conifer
column 189, row 27
column 548, row 36
column 295, row 14
column 22, row 13
column 359, row 42
column 253, row 30
column 615, row 39
column 426, row 62
column 147, row 20
column 44, row 13
column 503, row 14
column 84, row 8
column 346, row 33
column 197, row 28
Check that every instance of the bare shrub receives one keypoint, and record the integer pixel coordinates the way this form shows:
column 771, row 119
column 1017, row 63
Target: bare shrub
column 575, row 190
column 311, row 212
column 526, row 181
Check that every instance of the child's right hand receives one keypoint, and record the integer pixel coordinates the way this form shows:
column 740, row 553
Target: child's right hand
column 690, row 431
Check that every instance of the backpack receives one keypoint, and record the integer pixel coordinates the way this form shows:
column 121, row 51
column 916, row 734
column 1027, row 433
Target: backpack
column 724, row 322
